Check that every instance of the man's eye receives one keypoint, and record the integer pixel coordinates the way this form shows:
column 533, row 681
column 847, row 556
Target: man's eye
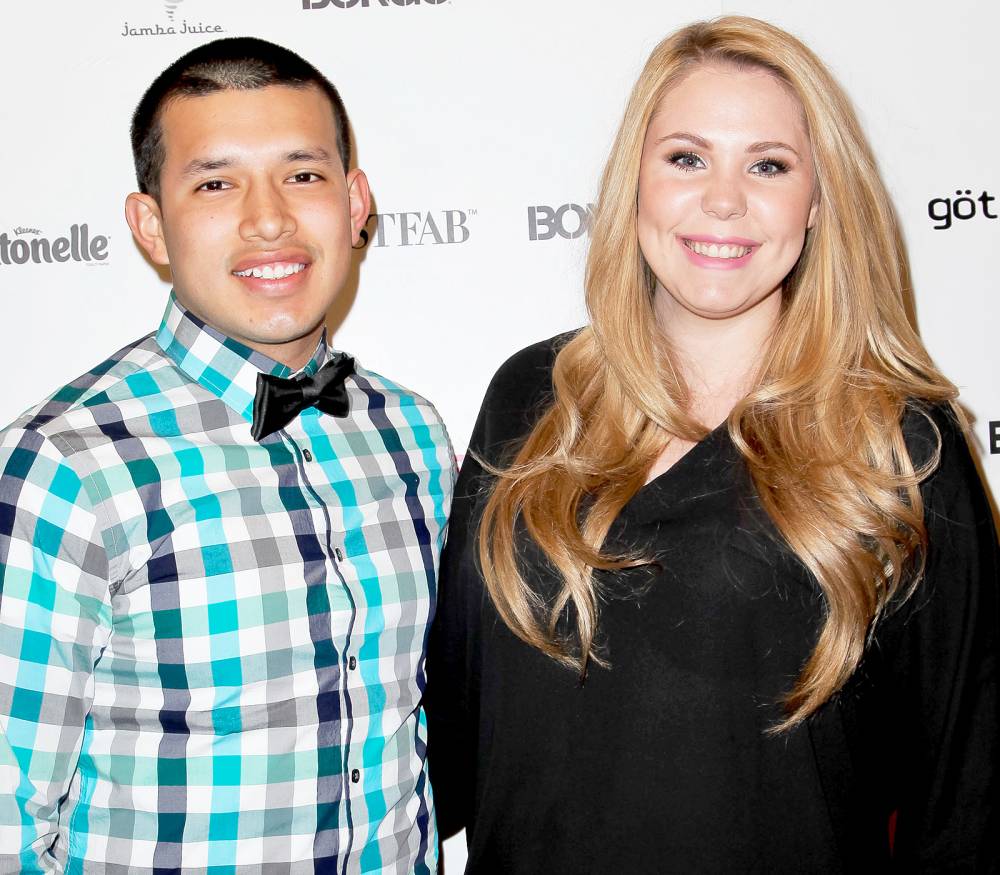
column 306, row 176
column 212, row 185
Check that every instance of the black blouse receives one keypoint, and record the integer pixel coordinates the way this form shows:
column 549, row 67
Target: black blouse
column 662, row 763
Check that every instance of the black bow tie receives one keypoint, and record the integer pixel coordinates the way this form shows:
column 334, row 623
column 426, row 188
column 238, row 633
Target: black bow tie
column 278, row 401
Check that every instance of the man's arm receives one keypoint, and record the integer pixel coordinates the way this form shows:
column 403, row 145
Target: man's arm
column 55, row 619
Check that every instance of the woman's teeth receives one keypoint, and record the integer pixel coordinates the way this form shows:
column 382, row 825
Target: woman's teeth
column 714, row 250
column 275, row 271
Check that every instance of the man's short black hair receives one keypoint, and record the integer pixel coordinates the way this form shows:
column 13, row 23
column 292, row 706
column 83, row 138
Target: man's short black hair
column 239, row 63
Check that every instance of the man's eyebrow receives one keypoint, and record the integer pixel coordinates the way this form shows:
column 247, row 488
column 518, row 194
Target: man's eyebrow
column 197, row 166
column 317, row 154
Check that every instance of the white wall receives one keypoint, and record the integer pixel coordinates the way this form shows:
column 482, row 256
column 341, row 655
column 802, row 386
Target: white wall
column 486, row 108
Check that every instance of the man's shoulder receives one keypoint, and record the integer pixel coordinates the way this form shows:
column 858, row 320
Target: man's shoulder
column 416, row 421
column 386, row 393
column 91, row 400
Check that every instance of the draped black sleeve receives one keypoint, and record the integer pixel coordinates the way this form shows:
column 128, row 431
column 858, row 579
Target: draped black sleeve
column 939, row 655
column 517, row 395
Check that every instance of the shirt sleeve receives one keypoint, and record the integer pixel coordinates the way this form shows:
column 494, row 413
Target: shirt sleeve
column 942, row 650
column 451, row 697
column 55, row 619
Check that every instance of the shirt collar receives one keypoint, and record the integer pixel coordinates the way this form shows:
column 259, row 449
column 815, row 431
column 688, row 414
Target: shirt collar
column 225, row 367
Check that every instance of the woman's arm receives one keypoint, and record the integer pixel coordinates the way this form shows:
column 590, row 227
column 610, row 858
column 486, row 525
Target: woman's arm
column 519, row 392
column 941, row 651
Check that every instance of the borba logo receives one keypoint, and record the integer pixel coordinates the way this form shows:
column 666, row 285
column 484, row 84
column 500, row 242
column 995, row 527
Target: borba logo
column 364, row 4
column 568, row 221
column 944, row 210
column 417, row 229
column 30, row 245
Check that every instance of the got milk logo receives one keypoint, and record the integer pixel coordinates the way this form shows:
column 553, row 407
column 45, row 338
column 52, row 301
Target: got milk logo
column 29, row 245
column 944, row 210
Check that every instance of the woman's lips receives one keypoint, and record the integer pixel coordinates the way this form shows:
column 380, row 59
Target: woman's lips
column 718, row 253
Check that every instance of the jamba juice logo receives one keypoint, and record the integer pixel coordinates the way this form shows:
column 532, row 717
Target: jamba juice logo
column 29, row 245
column 170, row 26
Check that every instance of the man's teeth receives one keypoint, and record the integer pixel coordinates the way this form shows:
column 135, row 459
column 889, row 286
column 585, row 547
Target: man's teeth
column 276, row 271
column 714, row 250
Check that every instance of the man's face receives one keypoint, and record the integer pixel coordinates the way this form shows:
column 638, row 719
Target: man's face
column 255, row 216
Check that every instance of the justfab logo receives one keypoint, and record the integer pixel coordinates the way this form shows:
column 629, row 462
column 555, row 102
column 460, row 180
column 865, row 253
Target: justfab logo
column 964, row 206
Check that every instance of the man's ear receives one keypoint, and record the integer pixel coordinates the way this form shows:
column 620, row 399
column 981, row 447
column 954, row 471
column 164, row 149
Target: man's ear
column 360, row 199
column 142, row 213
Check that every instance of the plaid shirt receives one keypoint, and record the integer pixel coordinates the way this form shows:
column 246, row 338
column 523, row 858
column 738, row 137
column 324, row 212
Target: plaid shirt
column 212, row 650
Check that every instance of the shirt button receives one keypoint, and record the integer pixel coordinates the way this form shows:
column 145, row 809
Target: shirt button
column 307, row 455
column 339, row 553
column 352, row 663
column 355, row 776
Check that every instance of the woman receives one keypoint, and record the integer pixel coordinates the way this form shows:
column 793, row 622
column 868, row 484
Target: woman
column 720, row 593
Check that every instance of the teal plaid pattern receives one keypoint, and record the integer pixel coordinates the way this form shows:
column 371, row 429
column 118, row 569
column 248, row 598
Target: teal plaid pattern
column 212, row 650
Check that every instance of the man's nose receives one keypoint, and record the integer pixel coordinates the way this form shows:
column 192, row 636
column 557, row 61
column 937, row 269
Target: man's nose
column 266, row 214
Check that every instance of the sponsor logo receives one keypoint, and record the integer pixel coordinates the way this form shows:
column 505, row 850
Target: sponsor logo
column 364, row 4
column 30, row 245
column 170, row 27
column 567, row 221
column 945, row 210
column 417, row 228
column 995, row 437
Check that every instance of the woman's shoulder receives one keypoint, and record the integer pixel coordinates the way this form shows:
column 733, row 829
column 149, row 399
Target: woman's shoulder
column 519, row 393
column 935, row 434
column 952, row 485
column 526, row 376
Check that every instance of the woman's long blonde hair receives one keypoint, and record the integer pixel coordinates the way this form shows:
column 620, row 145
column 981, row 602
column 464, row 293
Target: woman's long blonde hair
column 821, row 431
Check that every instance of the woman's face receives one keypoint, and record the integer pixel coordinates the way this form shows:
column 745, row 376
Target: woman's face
column 726, row 193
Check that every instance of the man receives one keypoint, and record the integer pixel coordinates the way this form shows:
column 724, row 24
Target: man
column 218, row 549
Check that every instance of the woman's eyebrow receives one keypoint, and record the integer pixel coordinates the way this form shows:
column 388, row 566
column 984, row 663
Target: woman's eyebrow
column 768, row 145
column 684, row 135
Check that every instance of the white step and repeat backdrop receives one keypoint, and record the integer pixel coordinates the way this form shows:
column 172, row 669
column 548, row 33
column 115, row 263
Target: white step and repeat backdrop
column 483, row 126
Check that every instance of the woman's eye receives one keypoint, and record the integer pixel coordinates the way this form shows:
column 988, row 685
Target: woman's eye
column 686, row 161
column 770, row 167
